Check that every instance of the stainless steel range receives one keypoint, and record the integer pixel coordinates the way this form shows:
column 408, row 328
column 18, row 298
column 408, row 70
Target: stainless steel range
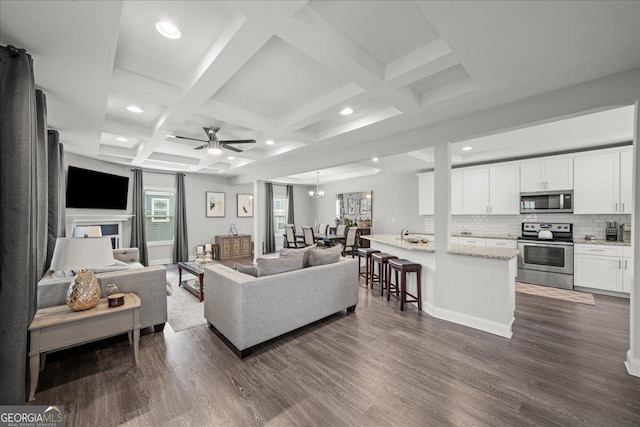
column 546, row 254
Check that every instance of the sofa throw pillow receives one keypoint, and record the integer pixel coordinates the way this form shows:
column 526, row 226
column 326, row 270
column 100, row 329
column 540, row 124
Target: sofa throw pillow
column 304, row 251
column 325, row 256
column 269, row 266
column 251, row 270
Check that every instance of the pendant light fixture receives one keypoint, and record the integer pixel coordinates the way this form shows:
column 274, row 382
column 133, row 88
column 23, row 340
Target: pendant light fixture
column 317, row 194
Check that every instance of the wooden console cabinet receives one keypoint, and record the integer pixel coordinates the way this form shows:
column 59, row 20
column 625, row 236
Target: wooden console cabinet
column 234, row 246
column 364, row 243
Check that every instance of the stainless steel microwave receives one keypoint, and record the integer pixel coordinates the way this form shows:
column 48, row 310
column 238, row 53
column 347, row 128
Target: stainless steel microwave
column 546, row 202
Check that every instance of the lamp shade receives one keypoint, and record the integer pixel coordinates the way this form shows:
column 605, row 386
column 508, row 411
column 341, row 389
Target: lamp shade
column 78, row 253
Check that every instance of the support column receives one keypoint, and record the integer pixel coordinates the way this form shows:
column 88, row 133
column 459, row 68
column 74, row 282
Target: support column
column 259, row 218
column 442, row 196
column 633, row 355
column 442, row 218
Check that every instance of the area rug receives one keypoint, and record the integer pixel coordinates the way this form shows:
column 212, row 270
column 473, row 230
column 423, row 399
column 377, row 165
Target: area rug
column 184, row 310
column 555, row 293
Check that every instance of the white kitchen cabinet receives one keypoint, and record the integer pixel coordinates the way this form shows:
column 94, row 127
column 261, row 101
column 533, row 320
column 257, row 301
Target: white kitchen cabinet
column 475, row 191
column 504, row 190
column 454, row 240
column 426, row 190
column 626, row 181
column 502, row 243
column 471, row 241
column 603, row 267
column 456, row 192
column 491, row 190
column 597, row 184
column 549, row 174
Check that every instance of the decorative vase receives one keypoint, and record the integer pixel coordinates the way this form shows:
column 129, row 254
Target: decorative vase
column 83, row 292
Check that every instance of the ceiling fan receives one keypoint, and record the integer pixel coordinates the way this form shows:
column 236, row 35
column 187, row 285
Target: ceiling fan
column 213, row 144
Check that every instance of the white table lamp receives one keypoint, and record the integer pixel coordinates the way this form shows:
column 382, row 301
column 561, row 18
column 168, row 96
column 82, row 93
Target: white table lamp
column 82, row 253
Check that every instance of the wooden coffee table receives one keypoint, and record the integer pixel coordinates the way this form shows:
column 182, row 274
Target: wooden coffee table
column 197, row 270
column 58, row 327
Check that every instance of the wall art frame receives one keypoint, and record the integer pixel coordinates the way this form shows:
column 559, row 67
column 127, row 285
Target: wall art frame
column 244, row 205
column 215, row 204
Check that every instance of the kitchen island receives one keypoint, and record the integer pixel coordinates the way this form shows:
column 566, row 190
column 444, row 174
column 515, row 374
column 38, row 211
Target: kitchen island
column 469, row 285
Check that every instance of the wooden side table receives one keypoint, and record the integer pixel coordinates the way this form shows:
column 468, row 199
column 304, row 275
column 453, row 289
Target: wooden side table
column 58, row 327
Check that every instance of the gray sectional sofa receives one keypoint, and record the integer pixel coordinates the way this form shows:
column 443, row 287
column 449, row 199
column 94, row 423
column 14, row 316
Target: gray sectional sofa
column 149, row 283
column 245, row 311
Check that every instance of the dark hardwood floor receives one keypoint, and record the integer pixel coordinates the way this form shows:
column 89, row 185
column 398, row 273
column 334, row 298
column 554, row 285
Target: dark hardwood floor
column 377, row 367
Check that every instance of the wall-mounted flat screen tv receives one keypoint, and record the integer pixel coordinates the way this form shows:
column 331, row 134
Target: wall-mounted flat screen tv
column 87, row 189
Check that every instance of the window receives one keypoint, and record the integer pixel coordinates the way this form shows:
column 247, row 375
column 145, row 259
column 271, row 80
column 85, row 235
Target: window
column 279, row 214
column 159, row 208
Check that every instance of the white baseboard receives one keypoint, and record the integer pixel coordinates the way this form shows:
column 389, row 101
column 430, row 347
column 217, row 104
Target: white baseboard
column 633, row 365
column 500, row 329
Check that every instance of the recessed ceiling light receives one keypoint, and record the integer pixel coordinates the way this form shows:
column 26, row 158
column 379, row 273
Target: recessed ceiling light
column 231, row 158
column 215, row 151
column 135, row 109
column 269, row 142
column 467, row 148
column 346, row 111
column 121, row 139
column 375, row 159
column 168, row 30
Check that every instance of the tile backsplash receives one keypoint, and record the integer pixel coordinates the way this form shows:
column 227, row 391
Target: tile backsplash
column 511, row 224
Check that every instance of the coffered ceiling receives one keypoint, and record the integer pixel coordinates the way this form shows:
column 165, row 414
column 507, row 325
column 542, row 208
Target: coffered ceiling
column 282, row 72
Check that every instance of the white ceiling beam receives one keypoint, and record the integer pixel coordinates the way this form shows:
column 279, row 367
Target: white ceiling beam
column 238, row 116
column 610, row 91
column 133, row 83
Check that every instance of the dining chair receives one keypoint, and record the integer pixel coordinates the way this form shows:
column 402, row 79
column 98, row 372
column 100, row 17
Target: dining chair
column 290, row 235
column 323, row 228
column 350, row 242
column 309, row 237
column 341, row 230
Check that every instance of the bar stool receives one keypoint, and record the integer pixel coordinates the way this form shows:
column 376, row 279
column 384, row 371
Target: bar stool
column 404, row 266
column 366, row 253
column 380, row 259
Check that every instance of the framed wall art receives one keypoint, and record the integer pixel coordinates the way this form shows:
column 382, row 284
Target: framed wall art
column 245, row 205
column 215, row 204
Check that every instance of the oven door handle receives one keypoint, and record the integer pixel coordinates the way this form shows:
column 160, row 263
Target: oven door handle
column 547, row 245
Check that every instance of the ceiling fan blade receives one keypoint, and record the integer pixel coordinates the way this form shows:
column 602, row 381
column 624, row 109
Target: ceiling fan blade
column 228, row 147
column 191, row 139
column 239, row 141
column 202, row 146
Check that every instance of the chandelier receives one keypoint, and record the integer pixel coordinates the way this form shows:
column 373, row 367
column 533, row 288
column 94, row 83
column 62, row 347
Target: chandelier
column 317, row 194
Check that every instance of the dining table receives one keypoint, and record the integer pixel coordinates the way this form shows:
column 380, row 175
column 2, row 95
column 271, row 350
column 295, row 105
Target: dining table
column 327, row 238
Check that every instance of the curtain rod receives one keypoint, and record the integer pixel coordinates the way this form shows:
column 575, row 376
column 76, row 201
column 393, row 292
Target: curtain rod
column 163, row 173
column 14, row 51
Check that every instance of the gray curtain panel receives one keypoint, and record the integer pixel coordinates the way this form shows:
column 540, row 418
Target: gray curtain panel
column 41, row 193
column 290, row 215
column 138, row 228
column 56, row 201
column 270, row 237
column 180, row 241
column 20, row 217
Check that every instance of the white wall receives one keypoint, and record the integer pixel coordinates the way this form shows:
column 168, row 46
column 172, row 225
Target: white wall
column 395, row 201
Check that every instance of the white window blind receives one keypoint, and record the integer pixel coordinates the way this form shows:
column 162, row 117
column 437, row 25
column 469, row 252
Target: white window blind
column 160, row 210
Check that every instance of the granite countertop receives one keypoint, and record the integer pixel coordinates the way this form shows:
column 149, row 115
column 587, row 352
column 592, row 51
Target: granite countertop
column 487, row 236
column 483, row 252
column 476, row 235
column 475, row 251
column 394, row 240
column 601, row 242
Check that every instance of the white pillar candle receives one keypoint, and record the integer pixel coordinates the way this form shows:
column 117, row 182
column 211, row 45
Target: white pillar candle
column 199, row 249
